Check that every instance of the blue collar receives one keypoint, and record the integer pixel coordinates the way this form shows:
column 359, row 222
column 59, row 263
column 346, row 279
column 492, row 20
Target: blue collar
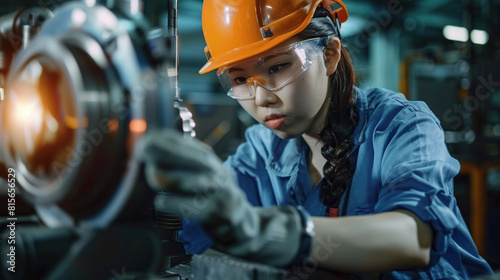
column 285, row 155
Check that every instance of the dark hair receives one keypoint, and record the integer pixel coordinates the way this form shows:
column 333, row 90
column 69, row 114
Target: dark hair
column 342, row 116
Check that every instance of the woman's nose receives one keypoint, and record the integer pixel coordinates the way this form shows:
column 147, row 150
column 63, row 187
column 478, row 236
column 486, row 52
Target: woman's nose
column 264, row 97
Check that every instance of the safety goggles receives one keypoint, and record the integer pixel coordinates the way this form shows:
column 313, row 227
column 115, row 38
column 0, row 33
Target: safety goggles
column 272, row 70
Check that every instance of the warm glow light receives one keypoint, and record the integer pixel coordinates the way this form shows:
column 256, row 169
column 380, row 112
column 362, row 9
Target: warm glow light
column 113, row 125
column 34, row 117
column 138, row 126
column 75, row 123
column 26, row 125
column 25, row 113
column 28, row 112
column 71, row 122
column 456, row 33
column 479, row 37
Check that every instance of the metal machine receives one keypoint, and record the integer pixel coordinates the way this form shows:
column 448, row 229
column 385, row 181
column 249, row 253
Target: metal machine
column 80, row 83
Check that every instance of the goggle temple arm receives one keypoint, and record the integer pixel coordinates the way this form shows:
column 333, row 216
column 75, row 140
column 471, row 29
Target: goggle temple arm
column 336, row 25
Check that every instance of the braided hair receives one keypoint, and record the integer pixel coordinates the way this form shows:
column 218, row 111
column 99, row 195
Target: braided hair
column 342, row 115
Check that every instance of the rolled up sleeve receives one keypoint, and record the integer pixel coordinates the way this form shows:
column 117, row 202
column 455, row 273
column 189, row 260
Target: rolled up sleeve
column 417, row 175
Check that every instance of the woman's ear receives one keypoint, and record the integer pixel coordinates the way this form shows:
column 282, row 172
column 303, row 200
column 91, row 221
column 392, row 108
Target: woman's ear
column 332, row 55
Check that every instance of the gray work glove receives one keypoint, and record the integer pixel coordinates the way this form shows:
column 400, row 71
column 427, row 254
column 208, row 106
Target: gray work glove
column 200, row 187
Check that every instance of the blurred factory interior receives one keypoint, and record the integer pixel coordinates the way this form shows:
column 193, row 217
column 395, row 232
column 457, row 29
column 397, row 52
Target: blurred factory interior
column 444, row 52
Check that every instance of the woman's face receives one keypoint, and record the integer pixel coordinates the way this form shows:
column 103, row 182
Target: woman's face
column 301, row 105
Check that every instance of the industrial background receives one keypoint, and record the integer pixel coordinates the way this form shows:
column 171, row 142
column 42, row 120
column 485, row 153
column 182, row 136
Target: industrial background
column 444, row 52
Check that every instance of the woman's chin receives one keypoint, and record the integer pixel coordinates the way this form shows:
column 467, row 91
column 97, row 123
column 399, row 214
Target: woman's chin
column 283, row 134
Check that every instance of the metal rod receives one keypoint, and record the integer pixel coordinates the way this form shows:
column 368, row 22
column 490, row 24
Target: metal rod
column 172, row 29
column 26, row 35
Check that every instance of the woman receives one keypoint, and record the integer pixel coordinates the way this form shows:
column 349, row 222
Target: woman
column 323, row 148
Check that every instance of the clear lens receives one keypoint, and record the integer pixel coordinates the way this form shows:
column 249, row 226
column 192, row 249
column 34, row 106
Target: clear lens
column 271, row 70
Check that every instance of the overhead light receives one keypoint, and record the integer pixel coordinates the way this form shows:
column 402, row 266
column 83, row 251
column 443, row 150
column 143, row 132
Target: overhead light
column 460, row 34
column 479, row 37
column 456, row 33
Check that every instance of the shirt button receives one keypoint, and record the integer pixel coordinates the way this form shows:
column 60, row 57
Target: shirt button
column 292, row 193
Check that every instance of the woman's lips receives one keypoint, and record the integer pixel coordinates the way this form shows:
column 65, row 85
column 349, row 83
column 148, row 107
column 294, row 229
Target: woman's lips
column 275, row 121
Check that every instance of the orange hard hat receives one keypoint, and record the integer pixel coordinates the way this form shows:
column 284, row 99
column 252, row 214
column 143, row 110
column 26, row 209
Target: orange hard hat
column 239, row 29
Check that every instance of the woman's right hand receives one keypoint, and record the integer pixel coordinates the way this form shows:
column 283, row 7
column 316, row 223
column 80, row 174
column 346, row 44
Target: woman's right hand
column 201, row 188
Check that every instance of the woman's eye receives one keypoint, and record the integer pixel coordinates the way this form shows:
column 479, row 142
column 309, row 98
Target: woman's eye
column 276, row 68
column 240, row 80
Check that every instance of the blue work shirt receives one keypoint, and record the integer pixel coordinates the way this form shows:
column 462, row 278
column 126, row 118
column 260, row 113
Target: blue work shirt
column 401, row 163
